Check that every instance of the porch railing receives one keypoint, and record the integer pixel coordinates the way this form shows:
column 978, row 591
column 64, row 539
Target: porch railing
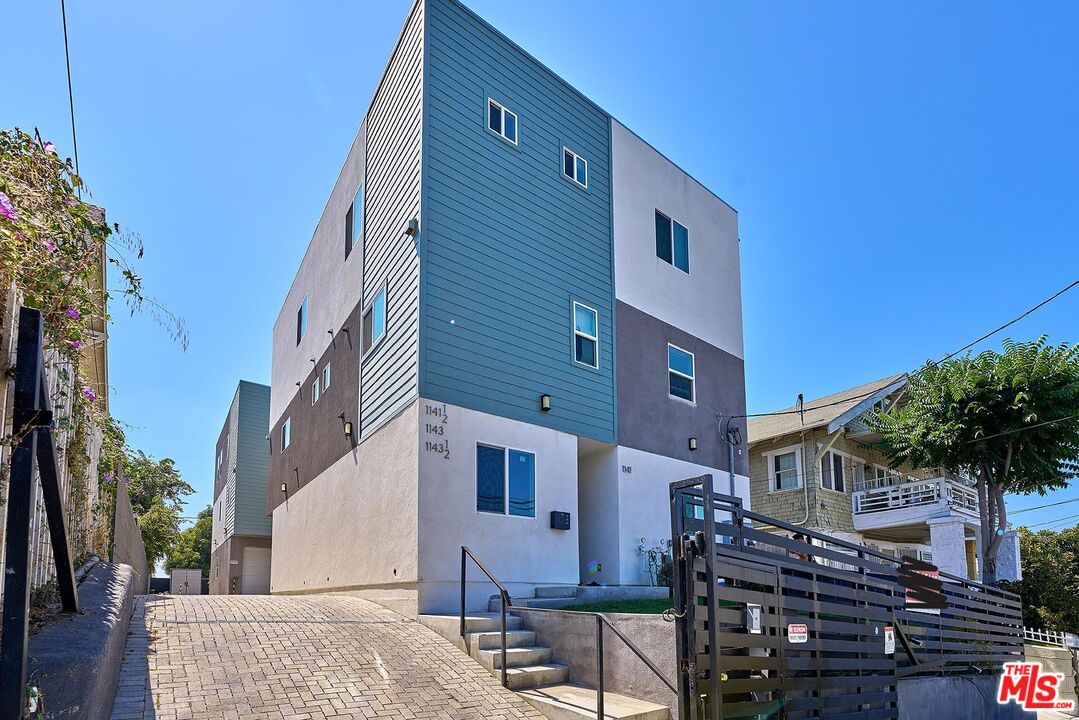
column 946, row 492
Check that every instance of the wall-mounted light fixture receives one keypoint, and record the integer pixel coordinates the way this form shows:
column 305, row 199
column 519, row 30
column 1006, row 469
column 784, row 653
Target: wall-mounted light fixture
column 693, row 443
column 284, row 488
column 545, row 402
column 348, row 428
column 413, row 228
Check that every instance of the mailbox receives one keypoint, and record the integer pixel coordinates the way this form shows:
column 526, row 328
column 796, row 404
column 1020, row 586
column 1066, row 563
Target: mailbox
column 559, row 520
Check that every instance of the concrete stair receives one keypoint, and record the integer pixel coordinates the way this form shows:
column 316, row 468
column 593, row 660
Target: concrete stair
column 530, row 669
column 555, row 596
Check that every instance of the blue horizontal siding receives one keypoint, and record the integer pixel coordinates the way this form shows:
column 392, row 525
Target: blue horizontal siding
column 508, row 242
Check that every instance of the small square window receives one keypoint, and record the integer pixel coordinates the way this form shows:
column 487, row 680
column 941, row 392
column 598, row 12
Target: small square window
column 326, row 377
column 785, row 471
column 672, row 242
column 585, row 335
column 374, row 321
column 574, row 167
column 301, row 320
column 680, row 373
column 315, row 391
column 501, row 121
column 286, row 433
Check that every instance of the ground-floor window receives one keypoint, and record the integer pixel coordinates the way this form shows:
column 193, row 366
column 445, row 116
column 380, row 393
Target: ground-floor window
column 505, row 481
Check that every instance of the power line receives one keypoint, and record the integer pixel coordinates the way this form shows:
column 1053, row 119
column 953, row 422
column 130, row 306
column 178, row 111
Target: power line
column 70, row 92
column 1040, row 507
column 1055, row 521
column 1024, row 427
column 949, row 356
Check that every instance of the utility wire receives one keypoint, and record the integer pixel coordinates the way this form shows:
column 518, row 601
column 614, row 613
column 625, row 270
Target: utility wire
column 1039, row 507
column 1024, row 427
column 1054, row 521
column 949, row 356
column 70, row 92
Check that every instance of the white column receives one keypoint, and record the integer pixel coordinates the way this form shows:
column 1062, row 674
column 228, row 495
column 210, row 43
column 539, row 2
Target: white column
column 948, row 536
column 1008, row 562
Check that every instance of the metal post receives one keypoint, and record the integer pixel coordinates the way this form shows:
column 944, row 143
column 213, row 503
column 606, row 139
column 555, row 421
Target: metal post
column 599, row 667
column 464, row 560
column 54, row 515
column 502, row 610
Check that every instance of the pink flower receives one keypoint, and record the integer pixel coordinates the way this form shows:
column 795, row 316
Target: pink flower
column 73, row 313
column 75, row 345
column 108, row 477
column 49, row 147
column 50, row 245
column 88, row 393
column 7, row 209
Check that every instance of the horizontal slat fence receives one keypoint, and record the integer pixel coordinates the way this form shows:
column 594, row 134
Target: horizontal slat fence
column 848, row 597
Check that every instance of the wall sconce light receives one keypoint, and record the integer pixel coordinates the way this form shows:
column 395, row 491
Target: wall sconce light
column 348, row 428
column 693, row 443
column 545, row 403
column 284, row 488
column 413, row 228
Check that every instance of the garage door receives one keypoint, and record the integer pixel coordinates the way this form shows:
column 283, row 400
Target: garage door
column 255, row 578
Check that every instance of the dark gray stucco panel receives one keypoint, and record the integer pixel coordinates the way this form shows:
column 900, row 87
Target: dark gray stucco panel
column 649, row 419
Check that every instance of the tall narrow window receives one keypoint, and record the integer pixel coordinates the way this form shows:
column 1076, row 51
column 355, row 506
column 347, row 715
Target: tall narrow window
column 354, row 223
column 315, row 391
column 301, row 320
column 672, row 242
column 680, row 374
column 574, row 167
column 325, row 377
column 505, row 481
column 585, row 335
column 501, row 121
column 831, row 471
column 286, row 433
column 374, row 321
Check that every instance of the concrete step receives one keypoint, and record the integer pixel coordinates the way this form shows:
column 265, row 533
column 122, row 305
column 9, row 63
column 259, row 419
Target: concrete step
column 549, row 602
column 533, row 676
column 569, row 701
column 557, row 591
column 449, row 626
column 515, row 657
column 493, row 640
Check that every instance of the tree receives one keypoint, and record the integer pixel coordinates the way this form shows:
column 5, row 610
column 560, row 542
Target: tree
column 160, row 526
column 150, row 480
column 1008, row 420
column 192, row 546
column 1050, row 584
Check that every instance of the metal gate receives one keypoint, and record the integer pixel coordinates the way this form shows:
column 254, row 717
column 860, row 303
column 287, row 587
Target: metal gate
column 771, row 626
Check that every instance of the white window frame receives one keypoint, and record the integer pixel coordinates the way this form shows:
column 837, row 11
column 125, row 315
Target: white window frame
column 326, row 378
column 301, row 320
column 576, row 332
column 505, row 111
column 506, row 449
column 315, row 390
column 576, row 157
column 376, row 340
column 692, row 378
column 851, row 461
column 286, row 433
column 769, row 458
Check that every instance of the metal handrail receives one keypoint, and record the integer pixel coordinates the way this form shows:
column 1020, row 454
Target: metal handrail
column 601, row 621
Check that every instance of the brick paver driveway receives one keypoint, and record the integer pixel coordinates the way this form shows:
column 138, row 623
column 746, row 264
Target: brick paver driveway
column 306, row 657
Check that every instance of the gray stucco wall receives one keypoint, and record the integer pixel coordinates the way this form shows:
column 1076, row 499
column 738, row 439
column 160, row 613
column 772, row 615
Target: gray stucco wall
column 127, row 546
column 649, row 419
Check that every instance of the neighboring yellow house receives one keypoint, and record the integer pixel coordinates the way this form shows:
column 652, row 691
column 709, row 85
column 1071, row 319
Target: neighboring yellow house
column 813, row 466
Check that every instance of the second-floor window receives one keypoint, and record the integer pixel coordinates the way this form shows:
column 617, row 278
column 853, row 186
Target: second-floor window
column 680, row 373
column 585, row 335
column 374, row 321
column 315, row 391
column 501, row 121
column 286, row 433
column 831, row 471
column 672, row 242
column 325, row 377
column 785, row 471
column 301, row 320
column 574, row 167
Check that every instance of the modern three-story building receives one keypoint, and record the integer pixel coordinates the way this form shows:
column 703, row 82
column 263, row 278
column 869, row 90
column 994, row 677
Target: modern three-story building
column 240, row 545
column 514, row 325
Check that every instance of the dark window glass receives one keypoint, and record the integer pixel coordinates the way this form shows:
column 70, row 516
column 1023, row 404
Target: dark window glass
column 837, row 471
column 511, row 126
column 567, row 163
column 585, row 350
column 681, row 387
column 494, row 117
column 301, row 321
column 490, row 479
column 582, row 171
column 663, row 237
column 348, row 231
column 522, row 483
column 681, row 248
column 680, row 361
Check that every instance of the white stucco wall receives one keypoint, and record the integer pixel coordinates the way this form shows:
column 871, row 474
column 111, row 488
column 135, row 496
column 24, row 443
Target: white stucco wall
column 332, row 284
column 598, row 479
column 644, row 504
column 707, row 303
column 355, row 525
column 520, row 551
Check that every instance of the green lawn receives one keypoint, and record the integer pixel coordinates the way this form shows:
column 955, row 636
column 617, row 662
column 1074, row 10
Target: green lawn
column 645, row 607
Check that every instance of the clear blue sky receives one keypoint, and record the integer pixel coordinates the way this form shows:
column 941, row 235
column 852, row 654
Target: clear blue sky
column 906, row 175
